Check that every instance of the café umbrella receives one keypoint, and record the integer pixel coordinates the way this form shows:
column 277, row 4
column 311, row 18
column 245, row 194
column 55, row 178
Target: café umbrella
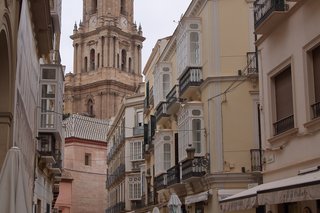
column 13, row 184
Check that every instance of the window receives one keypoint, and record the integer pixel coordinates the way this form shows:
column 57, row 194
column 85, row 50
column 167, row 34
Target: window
column 190, row 133
column 48, row 94
column 196, row 135
column 166, row 156
column 188, row 45
column 90, row 107
column 98, row 60
column 130, row 65
column 123, row 7
column 85, row 64
column 123, row 60
column 284, row 119
column 87, row 159
column 140, row 118
column 94, row 6
column 134, row 188
column 194, row 48
column 165, row 84
column 118, row 61
column 92, row 59
column 136, row 150
column 162, row 82
column 316, row 81
column 49, row 74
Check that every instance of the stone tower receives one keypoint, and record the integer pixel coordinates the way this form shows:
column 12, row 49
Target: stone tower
column 107, row 59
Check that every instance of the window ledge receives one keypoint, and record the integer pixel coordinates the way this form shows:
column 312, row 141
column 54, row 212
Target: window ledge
column 282, row 136
column 313, row 125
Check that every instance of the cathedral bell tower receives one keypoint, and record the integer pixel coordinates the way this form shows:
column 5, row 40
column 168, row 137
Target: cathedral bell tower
column 107, row 58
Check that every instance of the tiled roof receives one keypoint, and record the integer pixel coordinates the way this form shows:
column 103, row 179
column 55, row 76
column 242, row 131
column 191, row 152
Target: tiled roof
column 84, row 127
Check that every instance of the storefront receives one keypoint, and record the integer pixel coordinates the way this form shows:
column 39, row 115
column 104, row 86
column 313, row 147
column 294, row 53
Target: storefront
column 296, row 194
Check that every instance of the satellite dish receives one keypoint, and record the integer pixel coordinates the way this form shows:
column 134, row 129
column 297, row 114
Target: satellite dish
column 155, row 210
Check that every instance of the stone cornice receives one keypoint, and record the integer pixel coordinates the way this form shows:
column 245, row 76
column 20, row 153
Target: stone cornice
column 100, row 83
column 71, row 140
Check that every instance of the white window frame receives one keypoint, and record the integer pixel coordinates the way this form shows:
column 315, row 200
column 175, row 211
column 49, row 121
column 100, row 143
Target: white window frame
column 134, row 186
column 136, row 151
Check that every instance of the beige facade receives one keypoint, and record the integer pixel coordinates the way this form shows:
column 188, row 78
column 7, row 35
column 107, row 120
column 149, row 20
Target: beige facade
column 204, row 138
column 30, row 40
column 107, row 59
column 289, row 59
column 125, row 156
column 290, row 137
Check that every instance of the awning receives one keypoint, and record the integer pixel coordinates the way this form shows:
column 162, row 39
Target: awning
column 294, row 189
column 246, row 199
column 203, row 196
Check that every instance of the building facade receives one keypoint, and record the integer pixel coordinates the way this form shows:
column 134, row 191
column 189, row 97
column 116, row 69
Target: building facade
column 107, row 59
column 289, row 59
column 201, row 109
column 85, row 163
column 29, row 47
column 125, row 156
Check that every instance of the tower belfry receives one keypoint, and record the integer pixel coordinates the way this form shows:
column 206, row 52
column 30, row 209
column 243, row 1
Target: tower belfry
column 107, row 58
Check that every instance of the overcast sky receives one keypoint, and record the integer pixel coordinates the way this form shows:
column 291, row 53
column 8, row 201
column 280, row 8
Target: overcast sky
column 158, row 19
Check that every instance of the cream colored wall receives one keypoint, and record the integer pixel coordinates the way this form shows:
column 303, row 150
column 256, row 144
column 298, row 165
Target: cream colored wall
column 88, row 186
column 288, row 42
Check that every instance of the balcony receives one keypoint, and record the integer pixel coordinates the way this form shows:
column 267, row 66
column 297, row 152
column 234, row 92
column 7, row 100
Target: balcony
column 283, row 125
column 136, row 165
column 193, row 168
column 118, row 207
column 138, row 130
column 172, row 100
column 46, row 148
column 252, row 63
column 161, row 181
column 161, row 112
column 57, row 165
column 173, row 175
column 256, row 160
column 316, row 110
column 116, row 175
column 267, row 14
column 189, row 81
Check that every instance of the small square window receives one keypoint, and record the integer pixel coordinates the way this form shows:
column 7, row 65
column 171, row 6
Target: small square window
column 87, row 159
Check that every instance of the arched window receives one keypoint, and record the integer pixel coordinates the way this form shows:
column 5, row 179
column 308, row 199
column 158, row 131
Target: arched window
column 92, row 59
column 90, row 107
column 85, row 64
column 166, row 156
column 123, row 60
column 123, row 7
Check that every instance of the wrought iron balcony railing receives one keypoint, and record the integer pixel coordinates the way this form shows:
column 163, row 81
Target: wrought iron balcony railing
column 161, row 111
column 113, row 177
column 117, row 208
column 283, row 125
column 161, row 181
column 316, row 110
column 172, row 96
column 196, row 167
column 191, row 77
column 256, row 160
column 264, row 8
column 252, row 63
column 173, row 175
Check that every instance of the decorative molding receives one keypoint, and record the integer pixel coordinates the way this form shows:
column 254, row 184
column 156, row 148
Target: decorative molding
column 72, row 140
